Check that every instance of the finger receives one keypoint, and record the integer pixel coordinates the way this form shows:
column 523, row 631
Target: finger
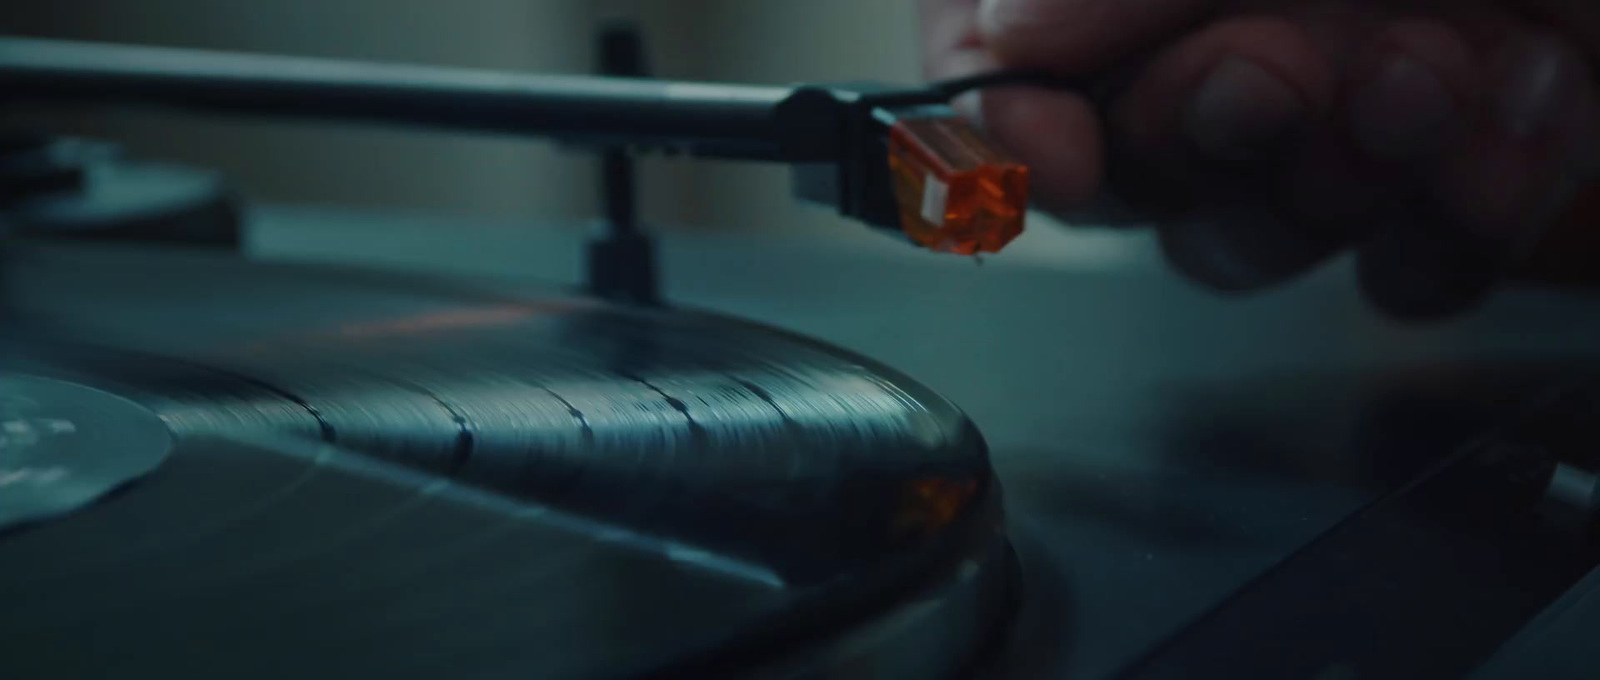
column 1577, row 20
column 1419, row 267
column 1567, row 255
column 1404, row 96
column 1322, row 201
column 1080, row 36
column 964, row 62
column 1566, row 252
column 1057, row 135
column 1201, row 135
column 1410, row 92
column 1228, row 93
column 1511, row 177
column 1498, row 190
column 950, row 40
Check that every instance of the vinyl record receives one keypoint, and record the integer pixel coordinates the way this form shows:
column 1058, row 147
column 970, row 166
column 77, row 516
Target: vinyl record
column 374, row 474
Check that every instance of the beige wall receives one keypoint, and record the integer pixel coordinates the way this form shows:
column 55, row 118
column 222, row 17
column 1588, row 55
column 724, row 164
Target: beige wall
column 779, row 41
column 739, row 40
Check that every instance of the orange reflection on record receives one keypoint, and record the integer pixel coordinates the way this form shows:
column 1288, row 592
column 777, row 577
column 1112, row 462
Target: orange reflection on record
column 930, row 504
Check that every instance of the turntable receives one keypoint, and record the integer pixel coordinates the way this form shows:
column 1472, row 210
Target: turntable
column 219, row 465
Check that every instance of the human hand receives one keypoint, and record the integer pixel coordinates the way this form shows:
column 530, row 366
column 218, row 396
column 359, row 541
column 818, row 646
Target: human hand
column 1440, row 139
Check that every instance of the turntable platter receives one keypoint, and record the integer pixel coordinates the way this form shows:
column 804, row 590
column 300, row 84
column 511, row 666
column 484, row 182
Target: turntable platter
column 400, row 476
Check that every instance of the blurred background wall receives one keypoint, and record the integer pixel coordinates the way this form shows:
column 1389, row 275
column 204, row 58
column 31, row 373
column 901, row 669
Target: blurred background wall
column 772, row 41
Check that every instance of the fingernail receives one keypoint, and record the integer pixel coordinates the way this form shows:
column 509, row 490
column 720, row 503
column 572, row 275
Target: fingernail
column 1538, row 75
column 1240, row 109
column 1403, row 111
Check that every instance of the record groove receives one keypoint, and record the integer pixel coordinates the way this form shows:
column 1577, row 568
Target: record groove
column 396, row 479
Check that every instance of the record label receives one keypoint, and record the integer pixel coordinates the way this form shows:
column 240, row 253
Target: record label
column 63, row 446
